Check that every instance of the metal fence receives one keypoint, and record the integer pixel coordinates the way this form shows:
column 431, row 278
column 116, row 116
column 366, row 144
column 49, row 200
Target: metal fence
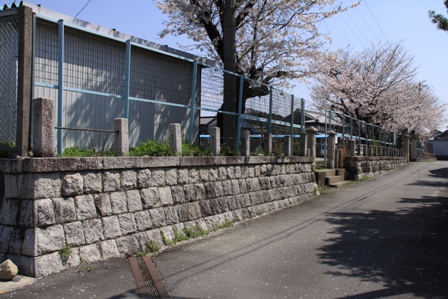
column 366, row 135
column 97, row 77
column 8, row 80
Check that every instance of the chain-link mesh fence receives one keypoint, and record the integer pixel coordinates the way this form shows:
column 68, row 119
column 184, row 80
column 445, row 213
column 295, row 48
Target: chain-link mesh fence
column 8, row 81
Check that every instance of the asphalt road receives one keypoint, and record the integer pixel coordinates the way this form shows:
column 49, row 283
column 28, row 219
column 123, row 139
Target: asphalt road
column 385, row 237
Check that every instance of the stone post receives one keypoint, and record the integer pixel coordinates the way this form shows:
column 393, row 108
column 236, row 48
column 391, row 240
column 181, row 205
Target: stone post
column 121, row 136
column 245, row 134
column 43, row 127
column 267, row 144
column 215, row 140
column 303, row 143
column 175, row 139
column 311, row 135
column 287, row 146
column 352, row 147
column 406, row 147
column 414, row 150
column 331, row 149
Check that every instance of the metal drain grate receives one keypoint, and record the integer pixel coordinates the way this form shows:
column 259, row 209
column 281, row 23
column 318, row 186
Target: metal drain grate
column 149, row 282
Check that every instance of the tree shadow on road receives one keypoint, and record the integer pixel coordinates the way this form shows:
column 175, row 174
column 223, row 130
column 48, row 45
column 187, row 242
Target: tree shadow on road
column 405, row 251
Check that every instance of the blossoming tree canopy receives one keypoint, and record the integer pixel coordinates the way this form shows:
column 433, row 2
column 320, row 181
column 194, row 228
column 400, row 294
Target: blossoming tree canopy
column 273, row 38
column 379, row 86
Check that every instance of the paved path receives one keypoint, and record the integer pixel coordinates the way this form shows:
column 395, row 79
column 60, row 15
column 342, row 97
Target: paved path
column 386, row 237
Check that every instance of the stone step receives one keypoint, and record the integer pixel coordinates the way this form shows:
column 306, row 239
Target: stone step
column 339, row 184
column 329, row 180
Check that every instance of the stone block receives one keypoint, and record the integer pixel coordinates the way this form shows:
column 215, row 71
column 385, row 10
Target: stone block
column 85, row 207
column 227, row 187
column 64, row 209
column 144, row 178
column 127, row 245
column 118, row 202
column 72, row 185
column 199, row 191
column 109, row 249
column 190, row 192
column 213, row 174
column 157, row 178
column 215, row 206
column 151, row 198
column 231, row 202
column 10, row 186
column 73, row 260
column 178, row 195
column 129, row 179
column 43, row 212
column 235, row 187
column 204, row 175
column 6, row 233
column 171, row 177
column 134, row 200
column 157, row 217
column 193, row 176
column 182, row 212
column 47, row 240
column 74, row 233
column 127, row 223
column 103, row 205
column 8, row 270
column 206, row 210
column 90, row 253
column 243, row 185
column 143, row 220
column 16, row 240
column 39, row 185
column 165, row 196
column 9, row 211
column 170, row 215
column 93, row 230
column 111, row 181
column 194, row 210
column 93, row 183
column 182, row 176
column 47, row 264
column 111, row 227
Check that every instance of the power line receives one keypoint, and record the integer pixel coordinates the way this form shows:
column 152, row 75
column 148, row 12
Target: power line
column 82, row 8
column 366, row 23
column 368, row 8
column 351, row 30
column 357, row 27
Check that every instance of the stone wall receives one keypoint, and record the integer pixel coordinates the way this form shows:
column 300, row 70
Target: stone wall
column 360, row 166
column 109, row 207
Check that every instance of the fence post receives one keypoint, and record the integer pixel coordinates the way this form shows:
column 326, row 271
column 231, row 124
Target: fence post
column 303, row 143
column 352, row 147
column 121, row 136
column 311, row 134
column 413, row 150
column 267, row 143
column 246, row 143
column 43, row 127
column 330, row 149
column 193, row 103
column 175, row 139
column 287, row 146
column 406, row 147
column 215, row 140
column 60, row 83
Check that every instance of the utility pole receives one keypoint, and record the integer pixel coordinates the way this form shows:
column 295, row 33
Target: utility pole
column 229, row 124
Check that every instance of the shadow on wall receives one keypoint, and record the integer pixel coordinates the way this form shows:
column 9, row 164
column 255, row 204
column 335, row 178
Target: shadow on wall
column 374, row 246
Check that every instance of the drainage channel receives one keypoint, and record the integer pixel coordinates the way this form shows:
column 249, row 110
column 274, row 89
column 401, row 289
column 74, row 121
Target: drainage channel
column 149, row 283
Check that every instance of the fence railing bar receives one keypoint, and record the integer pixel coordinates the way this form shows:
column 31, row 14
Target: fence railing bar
column 87, row 129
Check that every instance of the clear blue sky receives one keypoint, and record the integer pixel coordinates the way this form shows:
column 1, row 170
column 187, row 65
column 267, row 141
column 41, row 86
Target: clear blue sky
column 393, row 21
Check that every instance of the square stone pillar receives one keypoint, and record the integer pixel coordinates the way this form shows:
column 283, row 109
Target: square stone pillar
column 406, row 148
column 175, row 139
column 352, row 147
column 121, row 142
column 287, row 146
column 215, row 140
column 245, row 134
column 43, row 128
column 413, row 150
column 311, row 136
column 331, row 149
column 267, row 143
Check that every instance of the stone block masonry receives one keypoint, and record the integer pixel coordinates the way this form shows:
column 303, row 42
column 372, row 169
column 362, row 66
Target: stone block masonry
column 109, row 207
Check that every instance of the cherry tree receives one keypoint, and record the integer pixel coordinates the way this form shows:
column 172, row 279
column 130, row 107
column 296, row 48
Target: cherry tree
column 273, row 39
column 378, row 86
